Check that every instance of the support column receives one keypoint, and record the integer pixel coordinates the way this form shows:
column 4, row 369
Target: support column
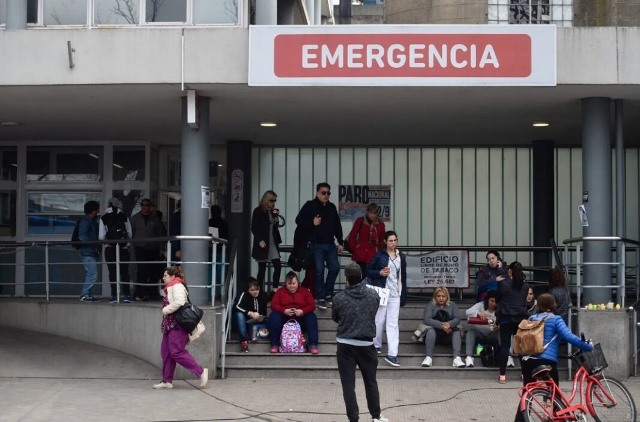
column 239, row 204
column 310, row 6
column 543, row 204
column 195, row 217
column 620, row 191
column 16, row 14
column 596, row 181
column 267, row 12
column 317, row 14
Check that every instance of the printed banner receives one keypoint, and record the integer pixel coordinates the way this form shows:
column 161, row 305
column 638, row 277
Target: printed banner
column 353, row 201
column 438, row 268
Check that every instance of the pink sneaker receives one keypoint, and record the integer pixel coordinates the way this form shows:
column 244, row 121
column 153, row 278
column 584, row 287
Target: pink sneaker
column 274, row 349
column 314, row 350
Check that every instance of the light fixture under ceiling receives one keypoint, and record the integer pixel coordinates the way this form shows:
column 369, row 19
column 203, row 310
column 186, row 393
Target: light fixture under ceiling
column 117, row 166
column 540, row 124
column 7, row 124
column 268, row 124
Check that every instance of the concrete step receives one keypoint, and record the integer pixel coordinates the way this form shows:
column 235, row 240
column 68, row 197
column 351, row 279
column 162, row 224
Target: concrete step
column 384, row 372
column 329, row 346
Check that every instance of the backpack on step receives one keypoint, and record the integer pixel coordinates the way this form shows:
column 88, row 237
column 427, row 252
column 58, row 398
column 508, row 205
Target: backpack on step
column 116, row 225
column 529, row 339
column 291, row 339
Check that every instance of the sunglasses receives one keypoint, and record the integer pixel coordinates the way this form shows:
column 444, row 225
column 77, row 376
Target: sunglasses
column 325, row 192
column 272, row 200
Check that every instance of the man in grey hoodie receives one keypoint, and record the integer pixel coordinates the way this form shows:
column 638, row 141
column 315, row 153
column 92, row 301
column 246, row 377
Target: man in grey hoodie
column 354, row 309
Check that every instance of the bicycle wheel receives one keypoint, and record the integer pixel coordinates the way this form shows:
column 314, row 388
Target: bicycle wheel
column 611, row 401
column 539, row 406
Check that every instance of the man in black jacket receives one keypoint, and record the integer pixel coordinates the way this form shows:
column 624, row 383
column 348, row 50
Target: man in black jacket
column 320, row 221
column 354, row 309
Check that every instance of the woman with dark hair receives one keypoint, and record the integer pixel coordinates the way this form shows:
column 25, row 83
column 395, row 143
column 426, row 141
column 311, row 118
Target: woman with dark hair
column 366, row 237
column 486, row 329
column 559, row 291
column 250, row 312
column 265, row 222
column 174, row 337
column 489, row 276
column 388, row 269
column 555, row 331
column 512, row 308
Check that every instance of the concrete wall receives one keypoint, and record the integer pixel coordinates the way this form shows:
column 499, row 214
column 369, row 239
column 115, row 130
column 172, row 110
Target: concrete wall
column 594, row 56
column 435, row 11
column 123, row 56
column 132, row 329
column 365, row 14
column 606, row 13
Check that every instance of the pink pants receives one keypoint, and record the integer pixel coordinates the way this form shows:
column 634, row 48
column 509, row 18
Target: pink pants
column 173, row 351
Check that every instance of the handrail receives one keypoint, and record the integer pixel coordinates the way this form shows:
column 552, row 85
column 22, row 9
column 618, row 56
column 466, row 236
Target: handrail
column 610, row 238
column 227, row 311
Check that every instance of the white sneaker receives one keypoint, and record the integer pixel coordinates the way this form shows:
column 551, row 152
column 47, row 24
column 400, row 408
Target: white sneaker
column 381, row 419
column 204, row 378
column 427, row 362
column 457, row 362
column 469, row 362
column 510, row 363
column 162, row 385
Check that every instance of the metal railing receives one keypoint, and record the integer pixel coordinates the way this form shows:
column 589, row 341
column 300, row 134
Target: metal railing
column 217, row 262
column 620, row 265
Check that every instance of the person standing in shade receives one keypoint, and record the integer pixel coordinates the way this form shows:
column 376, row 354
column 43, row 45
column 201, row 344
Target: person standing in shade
column 265, row 222
column 218, row 222
column 145, row 225
column 175, row 229
column 354, row 309
column 88, row 232
column 321, row 222
column 115, row 225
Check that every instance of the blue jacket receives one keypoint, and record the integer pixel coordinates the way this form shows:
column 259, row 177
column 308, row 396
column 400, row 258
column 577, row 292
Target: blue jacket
column 552, row 326
column 378, row 262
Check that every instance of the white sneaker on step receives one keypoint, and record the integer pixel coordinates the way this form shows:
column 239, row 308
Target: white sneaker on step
column 204, row 378
column 457, row 362
column 469, row 362
column 381, row 419
column 510, row 363
column 427, row 362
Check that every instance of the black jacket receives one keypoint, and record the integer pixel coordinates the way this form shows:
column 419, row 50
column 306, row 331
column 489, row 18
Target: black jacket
column 261, row 222
column 512, row 302
column 247, row 303
column 330, row 226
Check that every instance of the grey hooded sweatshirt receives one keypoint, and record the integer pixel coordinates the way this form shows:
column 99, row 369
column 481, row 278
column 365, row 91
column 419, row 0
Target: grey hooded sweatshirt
column 354, row 309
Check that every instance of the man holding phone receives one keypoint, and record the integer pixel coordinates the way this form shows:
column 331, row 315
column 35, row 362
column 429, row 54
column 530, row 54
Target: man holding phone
column 320, row 221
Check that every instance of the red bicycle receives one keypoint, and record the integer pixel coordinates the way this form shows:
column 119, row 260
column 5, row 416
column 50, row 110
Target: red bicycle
column 604, row 398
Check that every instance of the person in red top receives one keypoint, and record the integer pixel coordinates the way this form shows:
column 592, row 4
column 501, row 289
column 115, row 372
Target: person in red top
column 293, row 302
column 366, row 237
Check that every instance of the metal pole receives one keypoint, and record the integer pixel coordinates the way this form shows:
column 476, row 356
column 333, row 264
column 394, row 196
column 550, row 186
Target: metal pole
column 117, row 273
column 46, row 269
column 622, row 282
column 578, row 280
column 214, row 271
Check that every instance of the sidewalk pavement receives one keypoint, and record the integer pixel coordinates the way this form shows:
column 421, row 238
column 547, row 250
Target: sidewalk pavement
column 50, row 378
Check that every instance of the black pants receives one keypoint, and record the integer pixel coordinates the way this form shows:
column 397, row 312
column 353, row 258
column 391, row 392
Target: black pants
column 262, row 269
column 148, row 273
column 366, row 358
column 507, row 329
column 110, row 257
column 527, row 367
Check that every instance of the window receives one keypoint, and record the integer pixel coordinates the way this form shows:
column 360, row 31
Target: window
column 7, row 213
column 116, row 12
column 166, row 11
column 518, row 12
column 56, row 212
column 3, row 8
column 71, row 164
column 130, row 199
column 208, row 12
column 128, row 163
column 64, row 12
column 8, row 163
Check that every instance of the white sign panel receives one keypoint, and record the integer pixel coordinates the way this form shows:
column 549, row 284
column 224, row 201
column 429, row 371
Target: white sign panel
column 407, row 55
column 438, row 268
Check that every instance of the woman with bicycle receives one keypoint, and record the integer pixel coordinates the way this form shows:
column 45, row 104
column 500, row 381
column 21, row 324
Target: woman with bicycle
column 555, row 331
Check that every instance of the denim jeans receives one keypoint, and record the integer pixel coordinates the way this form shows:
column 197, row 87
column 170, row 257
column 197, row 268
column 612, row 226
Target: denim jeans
column 241, row 323
column 91, row 269
column 326, row 252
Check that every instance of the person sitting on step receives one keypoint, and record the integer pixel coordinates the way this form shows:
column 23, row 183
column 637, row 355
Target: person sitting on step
column 481, row 321
column 250, row 312
column 441, row 315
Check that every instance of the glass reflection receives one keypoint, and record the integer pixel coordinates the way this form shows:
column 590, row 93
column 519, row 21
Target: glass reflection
column 128, row 163
column 65, row 12
column 8, row 214
column 64, row 164
column 166, row 11
column 3, row 7
column 116, row 12
column 8, row 163
column 210, row 12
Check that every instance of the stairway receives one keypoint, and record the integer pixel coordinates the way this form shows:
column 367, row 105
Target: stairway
column 260, row 363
